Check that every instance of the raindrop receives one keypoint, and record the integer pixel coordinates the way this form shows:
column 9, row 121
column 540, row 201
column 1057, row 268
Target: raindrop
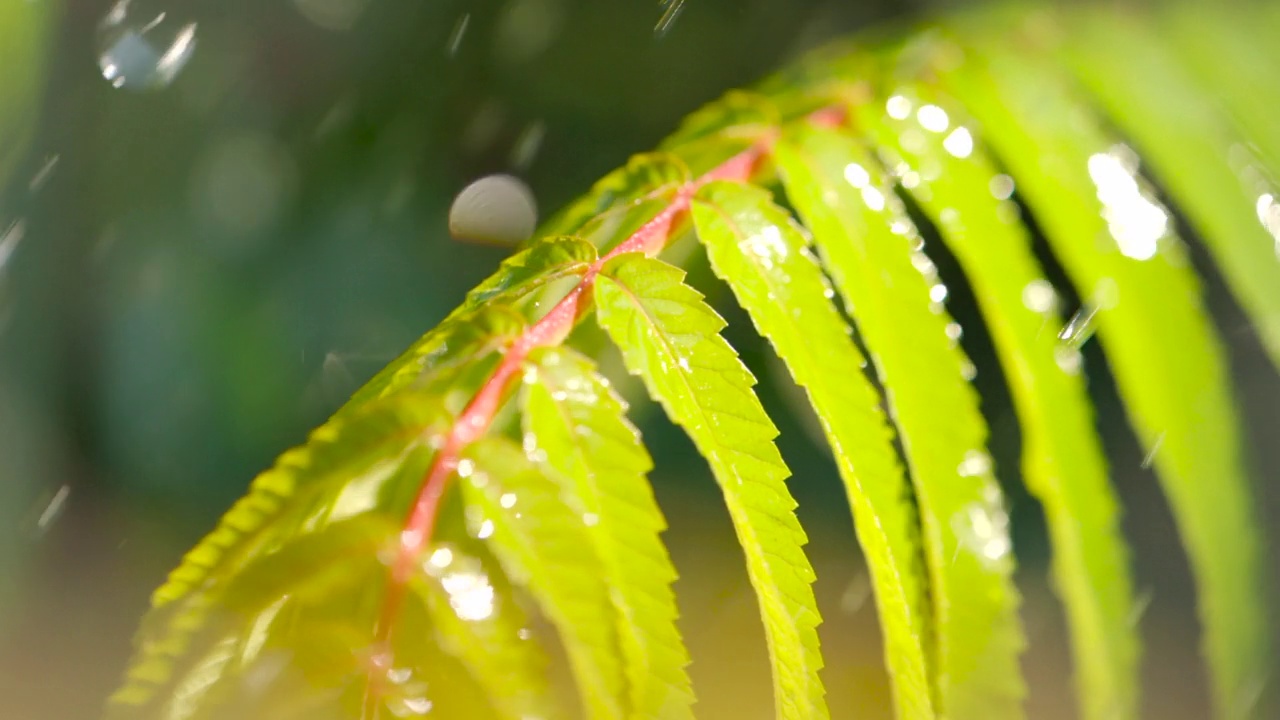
column 938, row 292
column 873, row 198
column 399, row 676
column 470, row 594
column 1002, row 187
column 898, row 107
column 441, row 557
column 485, row 531
column 1079, row 328
column 332, row 14
column 494, row 209
column 508, row 500
column 983, row 528
column 968, row 370
column 856, row 594
column 670, row 11
column 527, row 145
column 10, row 239
column 975, row 462
column 140, row 50
column 856, row 175
column 42, row 175
column 455, row 37
column 409, row 706
column 1151, row 454
column 954, row 331
column 933, row 118
column 1068, row 359
column 54, row 508
column 526, row 28
column 959, row 143
column 1039, row 296
column 465, row 468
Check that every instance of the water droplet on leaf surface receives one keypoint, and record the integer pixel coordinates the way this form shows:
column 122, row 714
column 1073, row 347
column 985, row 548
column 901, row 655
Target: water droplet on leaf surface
column 143, row 50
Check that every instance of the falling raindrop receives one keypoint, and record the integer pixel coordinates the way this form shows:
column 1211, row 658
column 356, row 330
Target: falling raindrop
column 143, row 50
column 456, row 36
column 670, row 11
column 527, row 145
column 42, row 175
column 1079, row 328
column 9, row 241
column 496, row 209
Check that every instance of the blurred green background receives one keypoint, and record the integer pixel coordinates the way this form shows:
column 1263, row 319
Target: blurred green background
column 198, row 266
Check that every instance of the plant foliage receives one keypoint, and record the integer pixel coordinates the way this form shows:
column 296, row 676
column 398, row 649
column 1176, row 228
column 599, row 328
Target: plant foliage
column 398, row 562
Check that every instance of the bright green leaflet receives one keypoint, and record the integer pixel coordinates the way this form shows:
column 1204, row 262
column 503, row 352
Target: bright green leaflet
column 757, row 248
column 1171, row 374
column 871, row 250
column 1228, row 54
column 1063, row 463
column 346, row 468
column 494, row 647
column 670, row 338
column 1191, row 147
column 576, row 422
column 543, row 545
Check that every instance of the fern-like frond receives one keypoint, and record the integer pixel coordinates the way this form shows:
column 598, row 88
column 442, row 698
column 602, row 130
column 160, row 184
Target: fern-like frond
column 875, row 258
column 756, row 247
column 1143, row 299
column 382, row 568
column 670, row 338
column 960, row 189
column 574, row 424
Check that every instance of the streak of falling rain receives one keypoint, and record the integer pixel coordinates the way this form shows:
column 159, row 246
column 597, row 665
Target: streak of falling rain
column 44, row 173
column 1151, row 454
column 456, row 36
column 1080, row 327
column 670, row 11
column 9, row 241
column 140, row 50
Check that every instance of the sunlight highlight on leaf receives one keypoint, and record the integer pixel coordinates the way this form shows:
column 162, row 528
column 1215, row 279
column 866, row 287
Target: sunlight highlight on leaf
column 670, row 338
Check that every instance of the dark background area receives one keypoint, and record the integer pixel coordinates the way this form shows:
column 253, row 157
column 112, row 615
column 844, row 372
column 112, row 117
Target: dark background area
column 208, row 269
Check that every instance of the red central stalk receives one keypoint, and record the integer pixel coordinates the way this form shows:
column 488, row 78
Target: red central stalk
column 551, row 329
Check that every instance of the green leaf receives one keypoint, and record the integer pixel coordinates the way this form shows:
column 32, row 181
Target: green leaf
column 1160, row 345
column 622, row 201
column 1192, row 148
column 890, row 288
column 347, row 468
column 576, row 423
column 1063, row 462
column 763, row 256
column 543, row 544
column 542, row 264
column 477, row 620
column 670, row 338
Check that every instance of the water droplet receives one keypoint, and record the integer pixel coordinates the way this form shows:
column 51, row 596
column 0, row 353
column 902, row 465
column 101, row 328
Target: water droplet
column 898, row 107
column 959, row 143
column 470, row 594
column 485, row 531
column 911, row 180
column 524, row 633
column 44, row 173
column 496, row 209
column 1135, row 221
column 1039, row 296
column 590, row 519
column 954, row 331
column 856, row 175
column 938, row 292
column 141, row 50
column 968, row 370
column 856, row 594
column 456, row 36
column 53, row 509
column 768, row 246
column 1151, row 454
column 527, row 145
column 983, row 529
column 1068, row 359
column 933, row 118
column 525, row 29
column 671, row 10
column 975, row 462
column 332, row 14
column 1080, row 327
column 873, row 198
column 1002, row 187
column 1269, row 215
column 409, row 706
column 466, row 467
column 441, row 558
column 10, row 239
column 399, row 676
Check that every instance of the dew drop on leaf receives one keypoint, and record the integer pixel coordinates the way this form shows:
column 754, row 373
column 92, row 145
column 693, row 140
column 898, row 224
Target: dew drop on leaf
column 141, row 49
